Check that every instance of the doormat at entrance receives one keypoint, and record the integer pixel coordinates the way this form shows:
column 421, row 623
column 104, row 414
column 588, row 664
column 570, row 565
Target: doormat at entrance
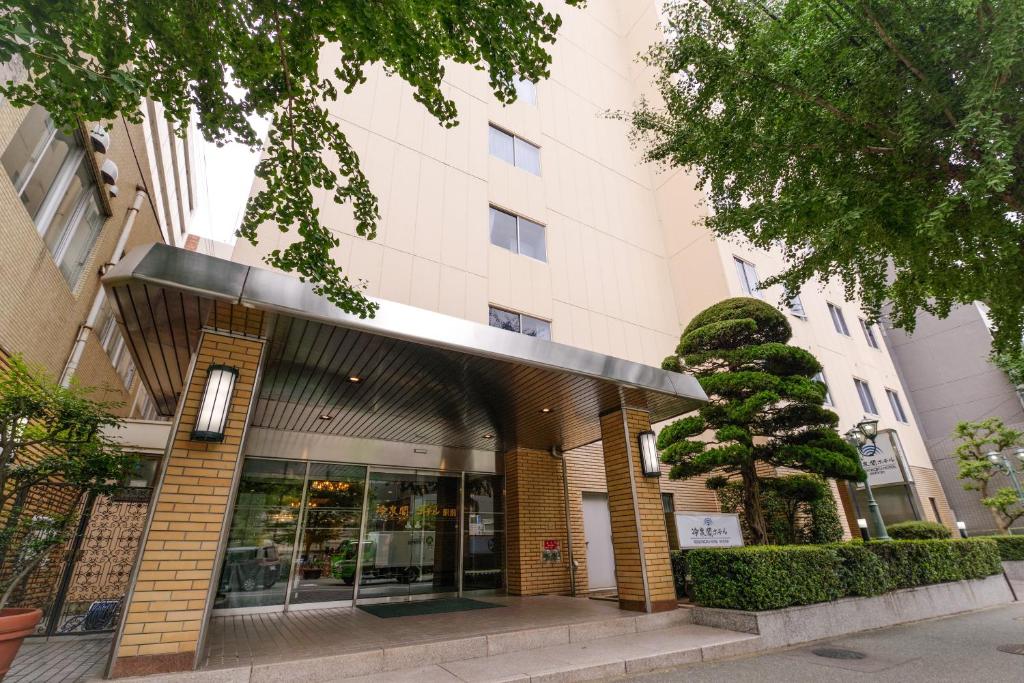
column 390, row 610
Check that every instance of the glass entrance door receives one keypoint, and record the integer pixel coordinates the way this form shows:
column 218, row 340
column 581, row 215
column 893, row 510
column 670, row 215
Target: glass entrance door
column 411, row 543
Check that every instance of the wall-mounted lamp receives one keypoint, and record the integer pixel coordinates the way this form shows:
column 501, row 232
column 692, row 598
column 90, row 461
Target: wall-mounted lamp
column 650, row 463
column 962, row 528
column 213, row 410
column 862, row 524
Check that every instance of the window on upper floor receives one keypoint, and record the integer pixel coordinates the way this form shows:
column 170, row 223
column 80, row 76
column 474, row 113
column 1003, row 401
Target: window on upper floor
column 867, row 401
column 526, row 91
column 897, row 405
column 820, row 377
column 838, row 320
column 518, row 322
column 518, row 235
column 514, row 150
column 51, row 176
column 747, row 274
column 112, row 341
column 869, row 333
column 795, row 305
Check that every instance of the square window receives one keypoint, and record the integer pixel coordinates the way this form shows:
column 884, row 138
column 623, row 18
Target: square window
column 531, row 240
column 504, row 230
column 502, row 319
column 796, row 306
column 747, row 274
column 869, row 333
column 502, row 145
column 820, row 377
column 896, row 405
column 535, row 327
column 527, row 156
column 514, row 150
column 838, row 320
column 526, row 91
column 867, row 401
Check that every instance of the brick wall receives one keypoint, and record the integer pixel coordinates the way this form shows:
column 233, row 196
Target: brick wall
column 620, row 457
column 926, row 480
column 161, row 629
column 535, row 512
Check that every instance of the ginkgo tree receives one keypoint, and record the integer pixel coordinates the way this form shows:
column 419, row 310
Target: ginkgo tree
column 95, row 60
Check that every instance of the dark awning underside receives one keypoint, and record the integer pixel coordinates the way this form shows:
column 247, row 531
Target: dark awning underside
column 425, row 377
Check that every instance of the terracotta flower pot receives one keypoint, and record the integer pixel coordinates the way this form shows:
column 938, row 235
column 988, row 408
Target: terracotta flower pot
column 15, row 624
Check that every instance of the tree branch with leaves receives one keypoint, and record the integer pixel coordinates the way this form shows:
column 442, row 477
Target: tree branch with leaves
column 977, row 440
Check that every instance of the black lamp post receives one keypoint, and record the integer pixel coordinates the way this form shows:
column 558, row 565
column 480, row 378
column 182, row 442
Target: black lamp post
column 865, row 431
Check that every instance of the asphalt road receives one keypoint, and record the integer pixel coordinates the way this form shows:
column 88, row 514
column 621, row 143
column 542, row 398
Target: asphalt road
column 960, row 648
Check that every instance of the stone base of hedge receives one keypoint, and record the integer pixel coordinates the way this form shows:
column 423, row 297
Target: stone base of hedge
column 793, row 625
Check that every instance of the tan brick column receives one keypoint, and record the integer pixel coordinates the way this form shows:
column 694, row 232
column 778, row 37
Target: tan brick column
column 164, row 616
column 642, row 567
column 535, row 513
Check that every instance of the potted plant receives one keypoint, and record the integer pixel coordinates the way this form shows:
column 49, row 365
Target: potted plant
column 55, row 437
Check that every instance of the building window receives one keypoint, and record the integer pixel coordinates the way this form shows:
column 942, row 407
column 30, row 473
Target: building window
column 820, row 377
column 515, row 150
column 668, row 504
column 867, row 401
column 51, row 176
column 518, row 235
column 747, row 274
column 838, row 320
column 897, row 405
column 517, row 322
column 113, row 343
column 869, row 333
column 795, row 305
column 526, row 91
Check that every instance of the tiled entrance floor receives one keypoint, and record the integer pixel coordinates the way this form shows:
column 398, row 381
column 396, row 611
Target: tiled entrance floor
column 65, row 659
column 266, row 638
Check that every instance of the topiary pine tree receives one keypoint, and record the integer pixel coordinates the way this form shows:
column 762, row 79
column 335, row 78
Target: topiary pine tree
column 764, row 405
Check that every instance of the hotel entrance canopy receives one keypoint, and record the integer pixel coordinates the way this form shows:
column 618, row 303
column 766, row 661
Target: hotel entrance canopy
column 407, row 374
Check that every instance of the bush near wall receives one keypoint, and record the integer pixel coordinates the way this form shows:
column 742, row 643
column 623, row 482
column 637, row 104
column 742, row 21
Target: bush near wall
column 919, row 530
column 760, row 578
column 1011, row 548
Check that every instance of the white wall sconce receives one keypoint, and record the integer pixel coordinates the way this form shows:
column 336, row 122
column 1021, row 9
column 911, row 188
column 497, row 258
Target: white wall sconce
column 650, row 463
column 962, row 528
column 213, row 409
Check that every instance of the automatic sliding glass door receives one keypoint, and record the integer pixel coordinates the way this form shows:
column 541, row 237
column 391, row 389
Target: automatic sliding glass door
column 411, row 544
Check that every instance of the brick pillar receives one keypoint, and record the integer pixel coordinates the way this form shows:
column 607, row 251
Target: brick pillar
column 163, row 619
column 535, row 513
column 642, row 567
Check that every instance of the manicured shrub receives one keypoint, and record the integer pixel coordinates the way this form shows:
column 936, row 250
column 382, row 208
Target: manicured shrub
column 862, row 572
column 764, row 577
column 919, row 563
column 917, row 530
column 678, row 558
column 1011, row 548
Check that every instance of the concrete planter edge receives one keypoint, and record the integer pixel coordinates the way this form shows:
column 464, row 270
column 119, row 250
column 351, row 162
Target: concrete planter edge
column 805, row 623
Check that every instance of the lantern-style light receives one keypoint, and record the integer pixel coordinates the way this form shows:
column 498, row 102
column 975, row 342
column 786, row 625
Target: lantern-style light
column 650, row 463
column 213, row 410
column 869, row 427
column 994, row 457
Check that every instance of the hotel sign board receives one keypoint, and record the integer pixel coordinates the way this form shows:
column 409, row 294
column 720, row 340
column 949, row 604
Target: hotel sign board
column 703, row 530
column 882, row 460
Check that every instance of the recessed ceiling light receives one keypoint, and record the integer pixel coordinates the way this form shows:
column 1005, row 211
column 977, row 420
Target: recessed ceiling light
column 354, row 379
column 488, row 436
column 326, row 416
column 545, row 410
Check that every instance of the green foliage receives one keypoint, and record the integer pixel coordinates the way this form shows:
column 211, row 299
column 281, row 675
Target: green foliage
column 48, row 433
column 798, row 508
column 678, row 559
column 1011, row 548
column 764, row 577
column 764, row 407
column 917, row 530
column 825, row 525
column 977, row 440
column 862, row 572
column 1012, row 363
column 773, row 577
column 97, row 59
column 862, row 137
column 919, row 563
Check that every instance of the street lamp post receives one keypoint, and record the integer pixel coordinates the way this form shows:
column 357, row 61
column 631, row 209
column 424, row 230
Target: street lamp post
column 867, row 430
column 1001, row 461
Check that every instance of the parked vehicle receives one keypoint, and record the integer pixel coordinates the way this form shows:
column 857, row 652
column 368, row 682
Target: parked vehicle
column 403, row 556
column 250, row 567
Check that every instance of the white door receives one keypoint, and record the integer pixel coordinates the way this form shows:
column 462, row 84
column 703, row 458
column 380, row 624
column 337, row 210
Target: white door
column 597, row 526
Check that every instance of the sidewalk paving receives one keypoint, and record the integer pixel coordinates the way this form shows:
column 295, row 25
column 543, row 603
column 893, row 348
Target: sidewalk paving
column 64, row 659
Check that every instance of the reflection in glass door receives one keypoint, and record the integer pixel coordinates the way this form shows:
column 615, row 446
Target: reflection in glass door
column 260, row 543
column 483, row 543
column 411, row 545
column 329, row 534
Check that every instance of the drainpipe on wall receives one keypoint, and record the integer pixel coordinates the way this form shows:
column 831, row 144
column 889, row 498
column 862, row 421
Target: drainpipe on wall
column 86, row 328
column 557, row 452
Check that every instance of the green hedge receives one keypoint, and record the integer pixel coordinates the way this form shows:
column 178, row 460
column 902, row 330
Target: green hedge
column 759, row 578
column 764, row 577
column 917, row 530
column 1011, row 548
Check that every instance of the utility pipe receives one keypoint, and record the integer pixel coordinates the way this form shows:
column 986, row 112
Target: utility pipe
column 85, row 329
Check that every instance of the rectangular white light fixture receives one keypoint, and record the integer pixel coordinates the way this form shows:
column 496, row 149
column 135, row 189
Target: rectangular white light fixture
column 213, row 410
column 862, row 523
column 650, row 463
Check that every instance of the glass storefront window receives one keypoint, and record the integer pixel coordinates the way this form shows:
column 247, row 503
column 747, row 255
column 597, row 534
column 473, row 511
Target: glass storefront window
column 258, row 559
column 483, row 543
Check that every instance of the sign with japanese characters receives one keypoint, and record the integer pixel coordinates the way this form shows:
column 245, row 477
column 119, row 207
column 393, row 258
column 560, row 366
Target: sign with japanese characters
column 701, row 530
column 552, row 551
column 881, row 460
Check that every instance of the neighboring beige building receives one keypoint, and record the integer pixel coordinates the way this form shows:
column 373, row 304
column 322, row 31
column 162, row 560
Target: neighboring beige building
column 539, row 216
